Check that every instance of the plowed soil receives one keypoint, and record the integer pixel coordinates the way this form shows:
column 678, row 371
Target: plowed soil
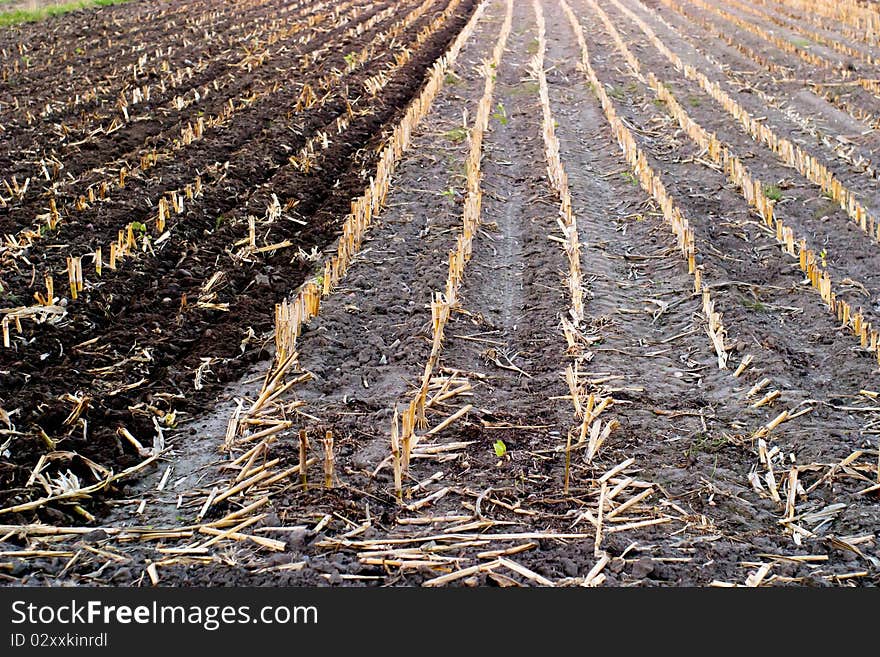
column 166, row 348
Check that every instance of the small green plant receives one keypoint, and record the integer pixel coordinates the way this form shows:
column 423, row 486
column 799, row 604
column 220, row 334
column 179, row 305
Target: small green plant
column 449, row 193
column 801, row 43
column 219, row 222
column 617, row 93
column 138, row 227
column 456, row 135
column 500, row 114
column 532, row 48
column 500, row 448
column 8, row 296
column 630, row 178
column 452, row 78
column 773, row 192
column 706, row 444
column 350, row 58
column 823, row 256
column 754, row 305
column 79, row 51
column 694, row 101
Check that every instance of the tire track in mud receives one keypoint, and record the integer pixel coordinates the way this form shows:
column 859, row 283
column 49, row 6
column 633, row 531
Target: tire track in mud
column 510, row 298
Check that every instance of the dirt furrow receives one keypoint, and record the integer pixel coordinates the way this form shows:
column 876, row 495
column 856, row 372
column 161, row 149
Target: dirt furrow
column 215, row 335
column 50, row 97
column 719, row 253
column 826, row 228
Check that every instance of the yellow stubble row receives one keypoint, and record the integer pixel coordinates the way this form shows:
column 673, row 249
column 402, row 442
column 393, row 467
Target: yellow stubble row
column 405, row 423
column 752, row 189
column 653, row 185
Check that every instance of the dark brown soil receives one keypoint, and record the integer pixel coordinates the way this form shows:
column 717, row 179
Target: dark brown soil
column 135, row 308
column 685, row 427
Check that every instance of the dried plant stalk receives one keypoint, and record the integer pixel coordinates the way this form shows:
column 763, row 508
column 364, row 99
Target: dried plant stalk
column 303, row 459
column 395, row 454
column 567, row 476
column 329, row 464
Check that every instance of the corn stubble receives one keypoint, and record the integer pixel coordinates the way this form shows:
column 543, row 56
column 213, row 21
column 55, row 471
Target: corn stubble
column 753, row 189
column 292, row 315
column 587, row 407
column 413, row 416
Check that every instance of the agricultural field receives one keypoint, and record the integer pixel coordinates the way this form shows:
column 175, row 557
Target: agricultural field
column 441, row 293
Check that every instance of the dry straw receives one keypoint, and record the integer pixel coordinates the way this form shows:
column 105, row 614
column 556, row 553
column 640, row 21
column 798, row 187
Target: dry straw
column 654, row 186
column 413, row 415
column 752, row 189
column 329, row 460
column 790, row 153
